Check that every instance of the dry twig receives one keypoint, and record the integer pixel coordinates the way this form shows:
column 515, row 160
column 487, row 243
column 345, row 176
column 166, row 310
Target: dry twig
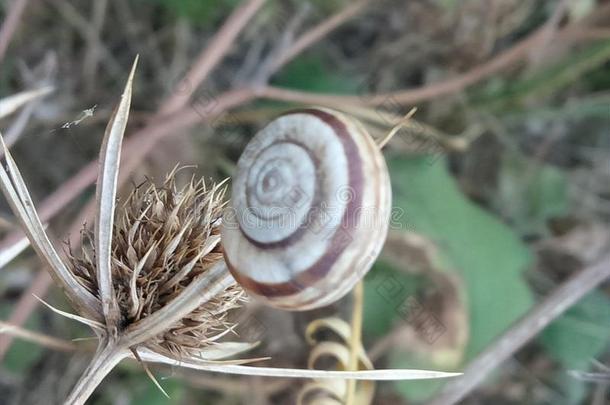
column 566, row 295
column 10, row 25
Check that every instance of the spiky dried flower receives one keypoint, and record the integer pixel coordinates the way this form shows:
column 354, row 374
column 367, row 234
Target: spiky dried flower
column 163, row 239
column 152, row 285
column 153, row 281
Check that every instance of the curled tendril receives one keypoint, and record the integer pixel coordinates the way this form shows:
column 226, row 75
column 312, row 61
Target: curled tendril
column 336, row 353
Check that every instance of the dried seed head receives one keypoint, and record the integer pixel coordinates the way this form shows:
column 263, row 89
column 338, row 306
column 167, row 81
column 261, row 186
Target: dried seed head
column 163, row 238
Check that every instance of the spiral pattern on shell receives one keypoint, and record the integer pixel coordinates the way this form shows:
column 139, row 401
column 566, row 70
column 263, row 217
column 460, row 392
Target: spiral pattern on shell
column 309, row 210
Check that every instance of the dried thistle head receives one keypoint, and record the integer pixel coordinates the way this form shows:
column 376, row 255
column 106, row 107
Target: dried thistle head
column 164, row 237
column 150, row 280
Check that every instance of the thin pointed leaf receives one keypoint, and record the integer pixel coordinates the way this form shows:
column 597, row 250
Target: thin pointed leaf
column 105, row 199
column 92, row 324
column 16, row 193
column 10, row 104
column 149, row 373
column 374, row 375
column 223, row 350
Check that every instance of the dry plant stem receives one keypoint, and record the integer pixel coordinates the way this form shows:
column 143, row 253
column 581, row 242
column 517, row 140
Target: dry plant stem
column 318, row 32
column 107, row 356
column 70, row 13
column 113, row 349
column 355, row 340
column 525, row 329
column 93, row 51
column 25, row 307
column 7, row 255
column 211, row 56
column 413, row 96
column 37, row 338
column 550, row 30
column 10, row 25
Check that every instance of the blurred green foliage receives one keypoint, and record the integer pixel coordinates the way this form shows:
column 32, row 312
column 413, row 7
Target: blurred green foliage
column 22, row 355
column 501, row 94
column 202, row 13
column 487, row 255
column 575, row 339
column 530, row 193
column 312, row 73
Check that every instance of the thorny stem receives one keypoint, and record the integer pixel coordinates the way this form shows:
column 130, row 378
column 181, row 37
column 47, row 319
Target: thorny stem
column 108, row 355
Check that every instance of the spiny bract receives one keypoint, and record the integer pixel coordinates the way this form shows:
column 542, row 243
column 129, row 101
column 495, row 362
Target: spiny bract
column 163, row 238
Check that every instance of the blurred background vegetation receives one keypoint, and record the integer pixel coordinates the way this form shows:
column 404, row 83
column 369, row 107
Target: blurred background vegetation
column 501, row 184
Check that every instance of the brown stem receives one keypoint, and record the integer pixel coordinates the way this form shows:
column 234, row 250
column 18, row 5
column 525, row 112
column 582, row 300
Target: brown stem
column 211, row 55
column 318, row 32
column 513, row 55
column 106, row 357
column 37, row 338
column 25, row 306
column 525, row 329
column 10, row 25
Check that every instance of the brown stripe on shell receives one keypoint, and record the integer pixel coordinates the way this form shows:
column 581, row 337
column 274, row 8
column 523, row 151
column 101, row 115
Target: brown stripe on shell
column 358, row 261
column 318, row 270
column 300, row 230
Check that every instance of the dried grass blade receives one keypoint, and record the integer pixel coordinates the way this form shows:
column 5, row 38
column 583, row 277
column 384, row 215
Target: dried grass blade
column 105, row 200
column 16, row 193
column 376, row 375
column 10, row 104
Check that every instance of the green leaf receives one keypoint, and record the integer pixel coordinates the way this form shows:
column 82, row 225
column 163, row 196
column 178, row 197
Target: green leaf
column 201, row 12
column 577, row 337
column 486, row 254
column 312, row 74
column 329, row 6
column 143, row 391
column 384, row 290
column 581, row 333
column 531, row 194
column 152, row 396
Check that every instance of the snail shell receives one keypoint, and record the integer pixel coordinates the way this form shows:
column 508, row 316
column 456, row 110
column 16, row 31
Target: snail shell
column 309, row 211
